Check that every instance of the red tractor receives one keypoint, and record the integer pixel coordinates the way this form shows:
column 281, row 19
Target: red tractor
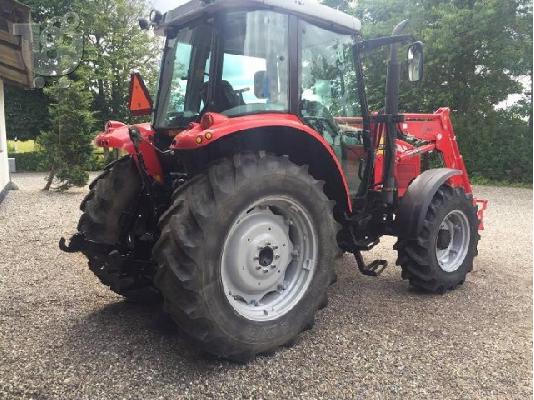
column 261, row 165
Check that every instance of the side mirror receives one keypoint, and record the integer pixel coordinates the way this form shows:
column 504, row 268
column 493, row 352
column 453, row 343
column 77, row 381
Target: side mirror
column 140, row 102
column 416, row 62
column 260, row 85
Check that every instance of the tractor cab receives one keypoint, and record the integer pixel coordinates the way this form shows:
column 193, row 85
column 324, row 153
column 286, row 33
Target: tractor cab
column 262, row 57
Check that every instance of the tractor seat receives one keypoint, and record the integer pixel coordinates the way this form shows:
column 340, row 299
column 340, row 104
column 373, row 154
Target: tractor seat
column 224, row 97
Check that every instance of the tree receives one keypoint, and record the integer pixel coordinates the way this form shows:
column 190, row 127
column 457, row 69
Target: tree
column 26, row 113
column 476, row 51
column 116, row 46
column 67, row 146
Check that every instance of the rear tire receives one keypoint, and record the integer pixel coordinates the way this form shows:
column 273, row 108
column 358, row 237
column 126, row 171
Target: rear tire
column 442, row 255
column 112, row 197
column 201, row 244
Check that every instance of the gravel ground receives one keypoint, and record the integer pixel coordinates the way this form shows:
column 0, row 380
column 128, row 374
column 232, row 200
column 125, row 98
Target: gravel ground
column 64, row 336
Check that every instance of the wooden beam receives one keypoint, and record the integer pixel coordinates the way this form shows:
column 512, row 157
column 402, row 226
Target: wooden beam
column 16, row 62
column 13, row 76
column 10, row 39
column 11, row 57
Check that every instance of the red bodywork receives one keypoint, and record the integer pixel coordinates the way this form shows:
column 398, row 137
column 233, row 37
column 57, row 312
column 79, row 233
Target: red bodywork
column 116, row 136
column 215, row 126
column 436, row 129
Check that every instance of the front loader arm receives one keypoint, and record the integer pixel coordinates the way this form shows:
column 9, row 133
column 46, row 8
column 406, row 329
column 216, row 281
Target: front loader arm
column 437, row 132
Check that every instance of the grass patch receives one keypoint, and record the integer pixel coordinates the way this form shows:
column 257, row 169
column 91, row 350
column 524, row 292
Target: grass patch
column 27, row 146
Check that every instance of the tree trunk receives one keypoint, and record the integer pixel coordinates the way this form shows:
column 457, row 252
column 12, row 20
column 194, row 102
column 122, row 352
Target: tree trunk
column 107, row 159
column 50, row 179
column 531, row 100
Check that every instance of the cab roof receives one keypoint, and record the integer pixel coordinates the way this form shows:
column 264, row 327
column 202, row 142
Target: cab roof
column 310, row 10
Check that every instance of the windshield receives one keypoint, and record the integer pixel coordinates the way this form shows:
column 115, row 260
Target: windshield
column 237, row 65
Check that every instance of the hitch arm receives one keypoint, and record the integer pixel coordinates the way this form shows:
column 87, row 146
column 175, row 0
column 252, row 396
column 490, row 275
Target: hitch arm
column 78, row 243
column 374, row 269
column 75, row 244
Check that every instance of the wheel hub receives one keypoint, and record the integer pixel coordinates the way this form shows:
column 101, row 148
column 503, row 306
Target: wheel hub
column 453, row 241
column 266, row 256
column 444, row 239
column 268, row 259
column 260, row 250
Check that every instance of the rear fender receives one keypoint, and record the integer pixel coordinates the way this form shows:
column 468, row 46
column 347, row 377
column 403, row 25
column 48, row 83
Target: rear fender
column 215, row 127
column 414, row 204
column 117, row 136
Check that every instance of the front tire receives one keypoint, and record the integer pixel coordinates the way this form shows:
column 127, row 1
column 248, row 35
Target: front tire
column 246, row 254
column 439, row 259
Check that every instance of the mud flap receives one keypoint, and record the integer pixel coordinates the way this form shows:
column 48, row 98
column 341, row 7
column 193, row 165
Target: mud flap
column 414, row 204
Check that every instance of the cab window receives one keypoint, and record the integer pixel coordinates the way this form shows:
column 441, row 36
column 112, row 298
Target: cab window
column 328, row 95
column 255, row 71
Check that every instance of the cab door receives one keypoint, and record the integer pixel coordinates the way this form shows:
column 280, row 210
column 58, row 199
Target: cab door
column 328, row 95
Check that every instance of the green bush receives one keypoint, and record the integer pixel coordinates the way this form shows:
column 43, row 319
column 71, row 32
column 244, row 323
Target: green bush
column 96, row 162
column 497, row 147
column 35, row 162
column 29, row 162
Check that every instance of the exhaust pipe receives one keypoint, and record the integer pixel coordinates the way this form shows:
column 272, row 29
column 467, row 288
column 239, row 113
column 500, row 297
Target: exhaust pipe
column 391, row 108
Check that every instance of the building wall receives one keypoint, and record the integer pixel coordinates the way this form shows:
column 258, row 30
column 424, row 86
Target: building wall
column 4, row 166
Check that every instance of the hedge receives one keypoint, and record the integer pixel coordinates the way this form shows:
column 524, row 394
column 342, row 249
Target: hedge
column 34, row 162
column 29, row 162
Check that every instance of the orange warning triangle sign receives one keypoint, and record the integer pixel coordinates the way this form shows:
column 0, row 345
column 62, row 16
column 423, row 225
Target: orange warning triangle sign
column 140, row 101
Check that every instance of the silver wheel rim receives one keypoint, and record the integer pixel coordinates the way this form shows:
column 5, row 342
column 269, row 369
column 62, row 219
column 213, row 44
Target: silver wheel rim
column 269, row 258
column 453, row 241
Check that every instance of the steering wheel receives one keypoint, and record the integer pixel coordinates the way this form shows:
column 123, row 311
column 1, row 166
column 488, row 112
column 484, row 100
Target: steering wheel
column 315, row 111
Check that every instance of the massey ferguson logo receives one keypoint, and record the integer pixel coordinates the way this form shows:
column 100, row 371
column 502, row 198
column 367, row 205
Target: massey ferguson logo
column 57, row 46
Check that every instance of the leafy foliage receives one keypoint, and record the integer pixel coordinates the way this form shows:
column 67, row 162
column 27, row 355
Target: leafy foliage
column 29, row 162
column 26, row 113
column 35, row 161
column 116, row 46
